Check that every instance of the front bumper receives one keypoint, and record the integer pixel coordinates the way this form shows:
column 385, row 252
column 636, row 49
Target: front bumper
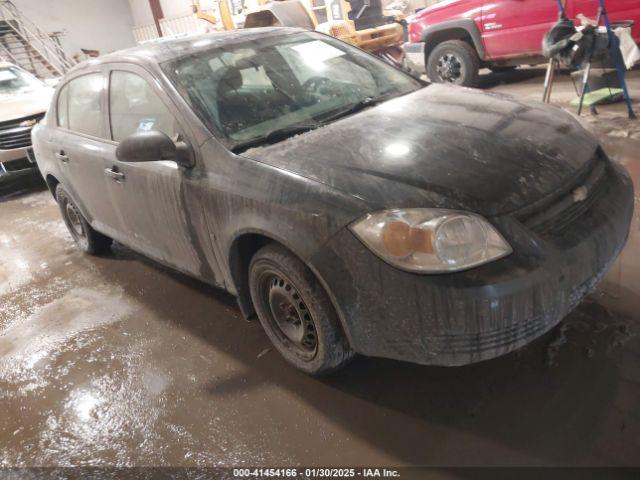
column 17, row 169
column 466, row 317
column 13, row 154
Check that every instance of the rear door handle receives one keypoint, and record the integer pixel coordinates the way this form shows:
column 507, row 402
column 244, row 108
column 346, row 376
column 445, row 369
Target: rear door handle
column 117, row 176
column 62, row 156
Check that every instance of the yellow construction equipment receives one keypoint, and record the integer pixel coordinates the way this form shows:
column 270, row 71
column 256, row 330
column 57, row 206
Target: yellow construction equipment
column 225, row 14
column 383, row 39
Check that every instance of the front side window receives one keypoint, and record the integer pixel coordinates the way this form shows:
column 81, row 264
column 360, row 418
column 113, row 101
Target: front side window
column 84, row 105
column 248, row 91
column 135, row 107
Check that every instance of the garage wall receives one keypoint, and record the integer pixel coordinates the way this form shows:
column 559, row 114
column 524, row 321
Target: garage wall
column 171, row 9
column 103, row 25
column 141, row 12
column 178, row 8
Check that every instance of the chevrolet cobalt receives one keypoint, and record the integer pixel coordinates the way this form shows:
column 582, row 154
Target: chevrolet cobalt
column 348, row 206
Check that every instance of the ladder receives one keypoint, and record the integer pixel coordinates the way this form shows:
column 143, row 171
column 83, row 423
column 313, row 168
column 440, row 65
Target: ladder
column 24, row 44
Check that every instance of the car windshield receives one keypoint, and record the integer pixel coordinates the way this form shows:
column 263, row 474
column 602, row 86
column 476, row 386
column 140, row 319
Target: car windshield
column 265, row 90
column 14, row 81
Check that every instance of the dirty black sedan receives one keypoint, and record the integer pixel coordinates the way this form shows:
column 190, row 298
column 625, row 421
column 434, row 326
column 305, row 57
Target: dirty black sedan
column 348, row 206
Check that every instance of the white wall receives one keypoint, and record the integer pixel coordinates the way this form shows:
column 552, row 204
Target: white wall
column 103, row 25
column 170, row 8
column 176, row 8
column 141, row 12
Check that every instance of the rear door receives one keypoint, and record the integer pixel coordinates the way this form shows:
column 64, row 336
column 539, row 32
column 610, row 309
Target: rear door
column 152, row 196
column 79, row 147
column 618, row 10
column 515, row 28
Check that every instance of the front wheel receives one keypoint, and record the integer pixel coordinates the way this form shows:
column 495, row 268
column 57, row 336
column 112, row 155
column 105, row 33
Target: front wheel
column 296, row 313
column 454, row 62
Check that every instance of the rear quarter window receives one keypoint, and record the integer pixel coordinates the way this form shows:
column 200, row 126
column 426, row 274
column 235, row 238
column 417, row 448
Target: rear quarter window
column 83, row 97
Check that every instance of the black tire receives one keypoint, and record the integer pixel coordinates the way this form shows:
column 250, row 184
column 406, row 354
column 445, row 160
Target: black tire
column 503, row 69
column 89, row 241
column 296, row 313
column 454, row 62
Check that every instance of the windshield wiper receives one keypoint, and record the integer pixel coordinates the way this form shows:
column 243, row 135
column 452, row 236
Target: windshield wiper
column 275, row 136
column 280, row 134
column 355, row 108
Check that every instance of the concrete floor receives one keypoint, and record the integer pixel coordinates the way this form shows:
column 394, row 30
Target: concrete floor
column 118, row 361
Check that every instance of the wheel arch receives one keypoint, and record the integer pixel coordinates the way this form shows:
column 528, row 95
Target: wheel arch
column 243, row 247
column 464, row 29
column 52, row 182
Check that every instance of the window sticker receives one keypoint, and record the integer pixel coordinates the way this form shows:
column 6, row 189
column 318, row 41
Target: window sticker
column 146, row 124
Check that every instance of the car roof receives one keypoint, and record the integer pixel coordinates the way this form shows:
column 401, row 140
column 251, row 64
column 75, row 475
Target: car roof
column 166, row 49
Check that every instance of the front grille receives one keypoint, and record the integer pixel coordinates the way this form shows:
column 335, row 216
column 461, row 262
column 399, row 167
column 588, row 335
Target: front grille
column 564, row 211
column 14, row 134
column 17, row 165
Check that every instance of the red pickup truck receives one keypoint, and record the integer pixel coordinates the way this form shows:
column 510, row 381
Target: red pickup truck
column 452, row 40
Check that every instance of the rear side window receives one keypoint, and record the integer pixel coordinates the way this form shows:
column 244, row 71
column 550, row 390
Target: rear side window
column 84, row 112
column 135, row 107
column 63, row 107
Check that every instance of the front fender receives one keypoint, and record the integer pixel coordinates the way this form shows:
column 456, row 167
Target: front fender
column 431, row 34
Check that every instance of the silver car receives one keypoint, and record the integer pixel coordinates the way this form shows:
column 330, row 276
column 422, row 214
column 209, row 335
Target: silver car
column 24, row 100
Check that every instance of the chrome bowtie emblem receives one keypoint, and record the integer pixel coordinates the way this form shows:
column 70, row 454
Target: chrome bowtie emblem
column 28, row 123
column 580, row 194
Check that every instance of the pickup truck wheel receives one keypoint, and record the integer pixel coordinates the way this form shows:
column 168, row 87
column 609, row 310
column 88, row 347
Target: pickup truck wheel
column 296, row 313
column 89, row 241
column 454, row 62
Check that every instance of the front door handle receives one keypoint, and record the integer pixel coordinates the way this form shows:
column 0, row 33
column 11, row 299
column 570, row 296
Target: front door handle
column 62, row 156
column 117, row 176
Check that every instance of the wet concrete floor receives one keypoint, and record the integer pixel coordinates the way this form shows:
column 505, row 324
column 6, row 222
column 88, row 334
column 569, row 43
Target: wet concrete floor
column 118, row 361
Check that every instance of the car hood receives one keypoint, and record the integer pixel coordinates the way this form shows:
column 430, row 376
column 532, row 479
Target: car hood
column 25, row 104
column 442, row 146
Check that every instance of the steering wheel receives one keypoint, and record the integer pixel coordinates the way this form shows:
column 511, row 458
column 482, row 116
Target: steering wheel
column 313, row 84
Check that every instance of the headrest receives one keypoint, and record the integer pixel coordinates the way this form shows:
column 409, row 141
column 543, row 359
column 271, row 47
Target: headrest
column 230, row 80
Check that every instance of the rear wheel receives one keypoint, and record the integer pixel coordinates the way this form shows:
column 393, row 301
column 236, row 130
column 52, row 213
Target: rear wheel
column 296, row 313
column 86, row 238
column 454, row 61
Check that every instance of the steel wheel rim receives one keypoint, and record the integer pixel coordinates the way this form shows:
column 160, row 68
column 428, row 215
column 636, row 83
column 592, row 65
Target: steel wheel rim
column 74, row 220
column 449, row 68
column 290, row 317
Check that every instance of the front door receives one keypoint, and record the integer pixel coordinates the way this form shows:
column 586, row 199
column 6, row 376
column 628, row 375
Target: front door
column 515, row 28
column 153, row 197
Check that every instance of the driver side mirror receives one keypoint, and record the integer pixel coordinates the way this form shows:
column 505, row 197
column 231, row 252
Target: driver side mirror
column 152, row 146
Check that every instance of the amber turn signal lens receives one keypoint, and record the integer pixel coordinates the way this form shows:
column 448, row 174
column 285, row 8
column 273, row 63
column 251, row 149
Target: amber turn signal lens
column 401, row 240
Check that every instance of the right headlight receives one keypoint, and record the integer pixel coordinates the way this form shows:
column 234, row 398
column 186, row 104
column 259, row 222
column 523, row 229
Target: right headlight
column 425, row 240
